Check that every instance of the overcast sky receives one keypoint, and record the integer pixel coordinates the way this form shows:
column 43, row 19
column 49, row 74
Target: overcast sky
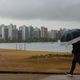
column 53, row 14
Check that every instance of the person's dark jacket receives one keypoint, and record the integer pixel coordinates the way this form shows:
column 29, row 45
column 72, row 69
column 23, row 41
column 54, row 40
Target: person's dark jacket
column 76, row 51
column 76, row 48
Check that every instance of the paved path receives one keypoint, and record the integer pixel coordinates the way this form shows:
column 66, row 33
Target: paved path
column 22, row 76
column 62, row 77
column 37, row 77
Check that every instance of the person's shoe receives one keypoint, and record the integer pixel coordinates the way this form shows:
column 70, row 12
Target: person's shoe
column 70, row 74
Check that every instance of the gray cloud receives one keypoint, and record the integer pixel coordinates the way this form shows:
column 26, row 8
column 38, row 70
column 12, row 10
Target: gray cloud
column 68, row 10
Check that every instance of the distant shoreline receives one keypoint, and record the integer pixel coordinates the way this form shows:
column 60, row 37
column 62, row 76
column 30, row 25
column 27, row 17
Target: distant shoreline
column 27, row 41
column 33, row 51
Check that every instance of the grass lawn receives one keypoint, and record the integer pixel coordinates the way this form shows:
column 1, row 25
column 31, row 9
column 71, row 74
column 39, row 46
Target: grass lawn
column 35, row 61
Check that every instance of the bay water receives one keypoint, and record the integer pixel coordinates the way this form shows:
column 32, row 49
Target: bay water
column 38, row 46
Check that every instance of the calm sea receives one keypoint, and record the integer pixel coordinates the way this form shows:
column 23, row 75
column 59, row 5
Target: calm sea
column 47, row 46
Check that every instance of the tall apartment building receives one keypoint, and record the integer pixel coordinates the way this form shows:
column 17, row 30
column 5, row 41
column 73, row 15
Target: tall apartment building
column 52, row 34
column 30, row 32
column 44, row 32
column 23, row 32
column 37, row 33
column 0, row 33
column 16, row 36
column 12, row 32
column 3, row 32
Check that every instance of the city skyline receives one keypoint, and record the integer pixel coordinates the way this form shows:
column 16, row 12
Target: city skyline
column 56, row 27
column 27, row 33
column 39, row 27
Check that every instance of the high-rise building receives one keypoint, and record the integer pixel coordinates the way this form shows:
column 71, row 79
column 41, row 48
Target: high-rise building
column 52, row 34
column 0, row 33
column 3, row 32
column 44, row 32
column 12, row 32
column 19, row 35
column 30, row 32
column 16, row 36
column 37, row 33
column 23, row 32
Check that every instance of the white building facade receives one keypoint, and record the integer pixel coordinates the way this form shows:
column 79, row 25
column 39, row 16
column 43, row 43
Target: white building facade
column 12, row 32
column 44, row 32
column 3, row 32
column 24, row 32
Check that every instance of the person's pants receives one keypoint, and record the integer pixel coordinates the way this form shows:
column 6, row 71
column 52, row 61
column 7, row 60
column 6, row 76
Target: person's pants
column 73, row 66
